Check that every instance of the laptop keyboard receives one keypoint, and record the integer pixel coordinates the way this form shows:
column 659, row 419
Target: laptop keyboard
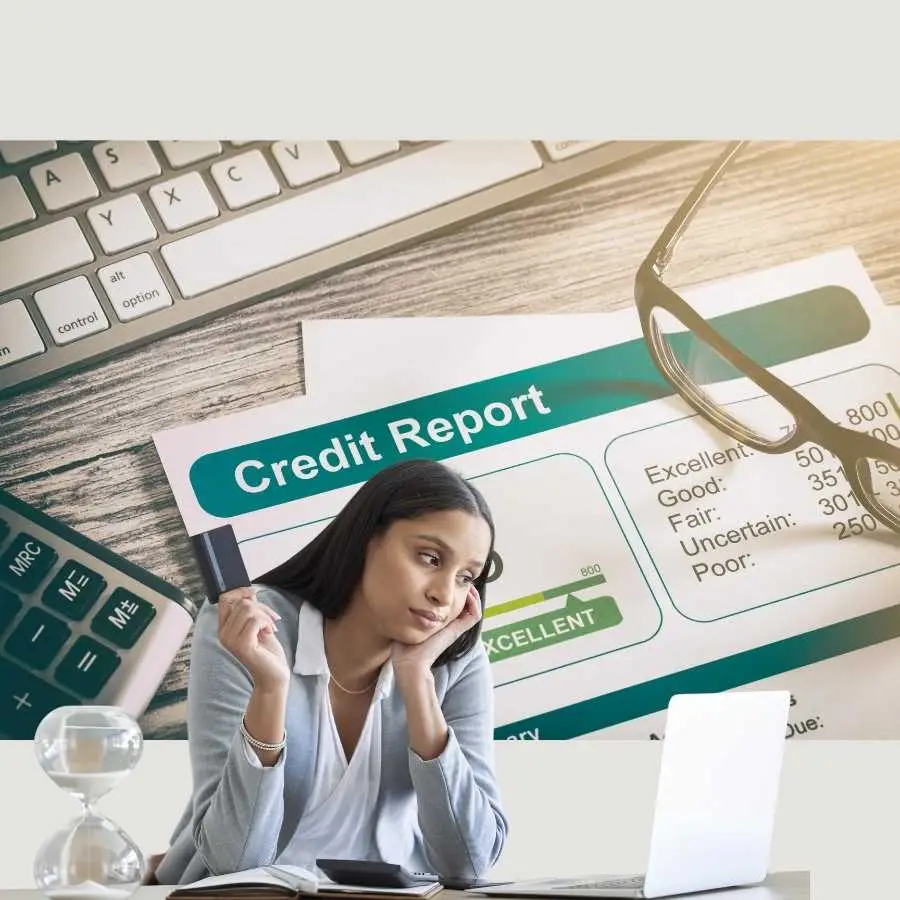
column 631, row 881
column 108, row 245
column 78, row 623
column 635, row 881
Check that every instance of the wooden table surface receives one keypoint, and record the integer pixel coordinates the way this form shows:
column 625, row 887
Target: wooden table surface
column 81, row 448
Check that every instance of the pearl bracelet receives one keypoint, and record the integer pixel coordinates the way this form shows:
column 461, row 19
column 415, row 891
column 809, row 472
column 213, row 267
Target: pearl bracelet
column 261, row 745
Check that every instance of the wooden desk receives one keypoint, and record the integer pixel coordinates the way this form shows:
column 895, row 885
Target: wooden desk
column 780, row 886
column 81, row 448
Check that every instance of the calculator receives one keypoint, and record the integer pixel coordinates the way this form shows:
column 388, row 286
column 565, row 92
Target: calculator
column 373, row 874
column 79, row 624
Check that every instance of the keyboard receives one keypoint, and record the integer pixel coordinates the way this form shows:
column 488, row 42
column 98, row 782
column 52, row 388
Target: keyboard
column 108, row 245
column 629, row 882
column 78, row 623
column 593, row 884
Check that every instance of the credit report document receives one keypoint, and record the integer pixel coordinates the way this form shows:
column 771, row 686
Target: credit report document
column 640, row 552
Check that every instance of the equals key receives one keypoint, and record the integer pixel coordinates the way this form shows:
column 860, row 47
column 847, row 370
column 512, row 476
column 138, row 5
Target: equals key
column 135, row 287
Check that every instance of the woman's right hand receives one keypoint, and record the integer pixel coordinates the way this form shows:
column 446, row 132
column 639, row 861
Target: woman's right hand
column 247, row 631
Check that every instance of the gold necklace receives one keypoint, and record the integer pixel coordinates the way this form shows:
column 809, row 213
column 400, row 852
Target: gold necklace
column 365, row 690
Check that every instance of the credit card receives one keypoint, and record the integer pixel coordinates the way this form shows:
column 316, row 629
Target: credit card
column 220, row 561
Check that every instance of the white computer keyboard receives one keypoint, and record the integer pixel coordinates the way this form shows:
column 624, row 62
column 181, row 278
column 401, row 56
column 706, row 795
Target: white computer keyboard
column 108, row 245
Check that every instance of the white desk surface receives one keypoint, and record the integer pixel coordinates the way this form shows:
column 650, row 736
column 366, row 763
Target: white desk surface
column 778, row 886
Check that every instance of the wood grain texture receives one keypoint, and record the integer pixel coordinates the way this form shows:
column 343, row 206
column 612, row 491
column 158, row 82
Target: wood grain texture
column 80, row 449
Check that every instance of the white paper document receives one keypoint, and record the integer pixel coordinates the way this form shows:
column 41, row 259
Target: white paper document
column 640, row 551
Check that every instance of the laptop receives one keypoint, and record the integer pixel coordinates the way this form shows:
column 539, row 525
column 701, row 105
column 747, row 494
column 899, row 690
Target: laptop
column 715, row 804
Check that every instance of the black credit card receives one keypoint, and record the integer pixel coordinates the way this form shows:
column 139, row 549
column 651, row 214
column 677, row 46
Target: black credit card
column 220, row 561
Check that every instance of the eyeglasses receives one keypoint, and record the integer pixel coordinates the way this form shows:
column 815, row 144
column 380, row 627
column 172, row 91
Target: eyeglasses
column 700, row 364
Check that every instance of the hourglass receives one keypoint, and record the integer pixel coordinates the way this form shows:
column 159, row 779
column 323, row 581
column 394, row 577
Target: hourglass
column 87, row 751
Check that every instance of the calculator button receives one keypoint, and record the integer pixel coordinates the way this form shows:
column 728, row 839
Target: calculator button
column 24, row 701
column 26, row 562
column 37, row 638
column 10, row 605
column 123, row 618
column 87, row 667
column 74, row 590
column 4, row 531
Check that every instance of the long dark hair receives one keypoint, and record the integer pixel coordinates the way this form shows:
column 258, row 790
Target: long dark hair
column 329, row 568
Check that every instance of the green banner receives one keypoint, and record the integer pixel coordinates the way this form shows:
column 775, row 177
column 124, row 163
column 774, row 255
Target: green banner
column 309, row 461
column 576, row 619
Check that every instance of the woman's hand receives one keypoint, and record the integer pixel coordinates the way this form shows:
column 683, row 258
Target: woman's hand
column 410, row 659
column 247, row 631
column 428, row 729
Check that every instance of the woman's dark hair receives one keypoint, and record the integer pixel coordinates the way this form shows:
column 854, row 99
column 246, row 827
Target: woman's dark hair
column 329, row 568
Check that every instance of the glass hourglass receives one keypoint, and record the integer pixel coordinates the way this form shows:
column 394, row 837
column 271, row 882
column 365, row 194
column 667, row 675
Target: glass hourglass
column 87, row 751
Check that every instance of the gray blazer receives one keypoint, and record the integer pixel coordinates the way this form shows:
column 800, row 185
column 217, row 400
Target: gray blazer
column 441, row 815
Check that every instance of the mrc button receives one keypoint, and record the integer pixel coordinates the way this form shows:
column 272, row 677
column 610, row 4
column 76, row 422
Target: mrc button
column 123, row 618
column 26, row 562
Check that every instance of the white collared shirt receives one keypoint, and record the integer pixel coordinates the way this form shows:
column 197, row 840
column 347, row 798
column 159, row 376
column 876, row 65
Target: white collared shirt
column 339, row 818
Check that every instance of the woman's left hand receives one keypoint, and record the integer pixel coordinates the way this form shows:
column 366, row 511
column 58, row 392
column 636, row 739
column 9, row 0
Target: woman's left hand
column 411, row 658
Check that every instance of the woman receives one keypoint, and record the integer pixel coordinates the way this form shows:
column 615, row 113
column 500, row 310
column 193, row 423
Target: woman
column 343, row 707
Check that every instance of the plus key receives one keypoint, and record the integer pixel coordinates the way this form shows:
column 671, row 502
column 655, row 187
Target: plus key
column 24, row 701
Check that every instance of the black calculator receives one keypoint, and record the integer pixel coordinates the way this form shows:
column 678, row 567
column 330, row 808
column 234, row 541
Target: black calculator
column 79, row 624
column 368, row 873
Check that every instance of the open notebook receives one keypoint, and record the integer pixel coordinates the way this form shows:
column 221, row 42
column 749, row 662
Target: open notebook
column 283, row 882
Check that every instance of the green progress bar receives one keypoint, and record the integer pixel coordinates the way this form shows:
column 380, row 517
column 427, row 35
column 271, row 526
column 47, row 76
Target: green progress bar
column 894, row 404
column 531, row 599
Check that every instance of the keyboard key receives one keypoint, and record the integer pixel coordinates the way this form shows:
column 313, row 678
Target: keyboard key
column 71, row 310
column 26, row 562
column 183, row 201
column 18, row 151
column 245, row 179
column 86, row 667
column 37, row 638
column 183, row 153
column 10, row 606
column 134, row 287
column 121, row 224
column 124, row 163
column 25, row 699
column 19, row 337
column 74, row 590
column 302, row 162
column 123, row 618
column 359, row 152
column 64, row 182
column 342, row 209
column 15, row 207
column 558, row 150
column 42, row 252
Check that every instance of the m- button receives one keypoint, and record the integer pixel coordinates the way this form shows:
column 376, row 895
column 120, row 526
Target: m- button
column 73, row 591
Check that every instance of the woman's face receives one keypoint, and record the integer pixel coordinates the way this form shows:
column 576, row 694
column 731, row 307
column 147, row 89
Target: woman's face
column 418, row 572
